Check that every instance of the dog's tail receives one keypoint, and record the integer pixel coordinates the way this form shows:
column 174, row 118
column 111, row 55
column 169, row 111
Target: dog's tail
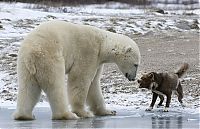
column 182, row 70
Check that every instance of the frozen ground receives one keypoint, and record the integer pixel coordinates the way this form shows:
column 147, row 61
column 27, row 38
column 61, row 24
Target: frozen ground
column 125, row 119
column 165, row 41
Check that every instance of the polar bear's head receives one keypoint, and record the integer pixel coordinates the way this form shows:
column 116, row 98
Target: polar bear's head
column 128, row 59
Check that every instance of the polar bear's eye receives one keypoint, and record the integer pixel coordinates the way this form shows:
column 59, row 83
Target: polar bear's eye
column 136, row 65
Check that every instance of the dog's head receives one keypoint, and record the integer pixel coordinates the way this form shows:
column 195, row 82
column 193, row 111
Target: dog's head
column 148, row 81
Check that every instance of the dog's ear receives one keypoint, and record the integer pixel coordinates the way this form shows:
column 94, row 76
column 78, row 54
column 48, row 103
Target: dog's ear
column 145, row 74
column 151, row 75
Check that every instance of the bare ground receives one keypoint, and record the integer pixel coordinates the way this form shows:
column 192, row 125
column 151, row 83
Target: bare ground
column 161, row 52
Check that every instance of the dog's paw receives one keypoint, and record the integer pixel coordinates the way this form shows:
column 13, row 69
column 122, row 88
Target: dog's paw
column 149, row 109
column 165, row 109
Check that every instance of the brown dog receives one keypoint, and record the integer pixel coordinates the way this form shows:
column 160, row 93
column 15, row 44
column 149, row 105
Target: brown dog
column 163, row 84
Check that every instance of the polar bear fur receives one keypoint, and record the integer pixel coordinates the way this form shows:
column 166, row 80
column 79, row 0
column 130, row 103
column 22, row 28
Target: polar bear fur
column 56, row 48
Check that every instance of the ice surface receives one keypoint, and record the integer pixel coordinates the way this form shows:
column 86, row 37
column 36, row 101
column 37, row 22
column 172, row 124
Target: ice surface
column 19, row 19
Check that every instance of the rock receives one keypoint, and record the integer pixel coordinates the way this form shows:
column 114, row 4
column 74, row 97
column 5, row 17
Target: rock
column 13, row 55
column 160, row 11
column 184, row 25
column 90, row 20
column 13, row 73
column 195, row 21
column 194, row 26
column 114, row 71
column 4, row 91
column 114, row 21
column 5, row 19
column 189, row 14
column 65, row 10
column 86, row 23
column 50, row 16
column 9, row 99
column 1, row 27
column 111, row 29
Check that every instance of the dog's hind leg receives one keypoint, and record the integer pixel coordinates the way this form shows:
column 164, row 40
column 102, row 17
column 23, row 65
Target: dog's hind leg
column 180, row 94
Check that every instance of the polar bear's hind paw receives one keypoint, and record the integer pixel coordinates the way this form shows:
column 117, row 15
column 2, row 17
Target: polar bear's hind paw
column 84, row 114
column 106, row 113
column 66, row 116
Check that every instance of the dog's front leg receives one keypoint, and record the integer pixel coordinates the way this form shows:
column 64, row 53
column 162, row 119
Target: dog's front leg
column 166, row 109
column 152, row 102
column 161, row 101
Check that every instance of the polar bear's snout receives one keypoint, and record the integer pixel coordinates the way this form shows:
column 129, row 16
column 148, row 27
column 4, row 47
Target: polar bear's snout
column 128, row 76
column 132, row 75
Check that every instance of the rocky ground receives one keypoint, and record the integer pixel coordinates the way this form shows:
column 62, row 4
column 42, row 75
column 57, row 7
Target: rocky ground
column 161, row 52
column 165, row 42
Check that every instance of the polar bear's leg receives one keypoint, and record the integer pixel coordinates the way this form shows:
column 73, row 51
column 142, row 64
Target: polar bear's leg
column 56, row 92
column 78, row 86
column 95, row 98
column 58, row 103
column 28, row 95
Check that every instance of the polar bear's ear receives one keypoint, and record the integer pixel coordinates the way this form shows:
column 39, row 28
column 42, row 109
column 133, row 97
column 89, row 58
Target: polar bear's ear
column 128, row 49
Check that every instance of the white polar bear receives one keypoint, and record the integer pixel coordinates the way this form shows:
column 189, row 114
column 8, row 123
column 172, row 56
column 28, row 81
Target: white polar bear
column 56, row 48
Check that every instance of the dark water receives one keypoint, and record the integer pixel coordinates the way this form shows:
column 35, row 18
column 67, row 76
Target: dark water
column 124, row 119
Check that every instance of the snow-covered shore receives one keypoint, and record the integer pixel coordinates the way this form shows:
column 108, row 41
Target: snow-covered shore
column 17, row 20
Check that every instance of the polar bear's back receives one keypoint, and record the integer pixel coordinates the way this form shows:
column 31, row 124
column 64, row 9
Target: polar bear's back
column 55, row 39
column 63, row 33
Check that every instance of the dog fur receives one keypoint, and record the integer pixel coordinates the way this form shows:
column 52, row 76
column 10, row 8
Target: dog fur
column 164, row 84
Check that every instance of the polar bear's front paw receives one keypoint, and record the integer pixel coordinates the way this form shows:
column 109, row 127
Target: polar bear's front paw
column 106, row 113
column 84, row 114
column 113, row 112
column 65, row 116
column 18, row 116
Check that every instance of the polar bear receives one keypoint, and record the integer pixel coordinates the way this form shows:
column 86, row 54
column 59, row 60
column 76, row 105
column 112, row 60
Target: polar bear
column 56, row 48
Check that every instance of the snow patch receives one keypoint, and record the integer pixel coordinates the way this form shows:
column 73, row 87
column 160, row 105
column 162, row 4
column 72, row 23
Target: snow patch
column 17, row 20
